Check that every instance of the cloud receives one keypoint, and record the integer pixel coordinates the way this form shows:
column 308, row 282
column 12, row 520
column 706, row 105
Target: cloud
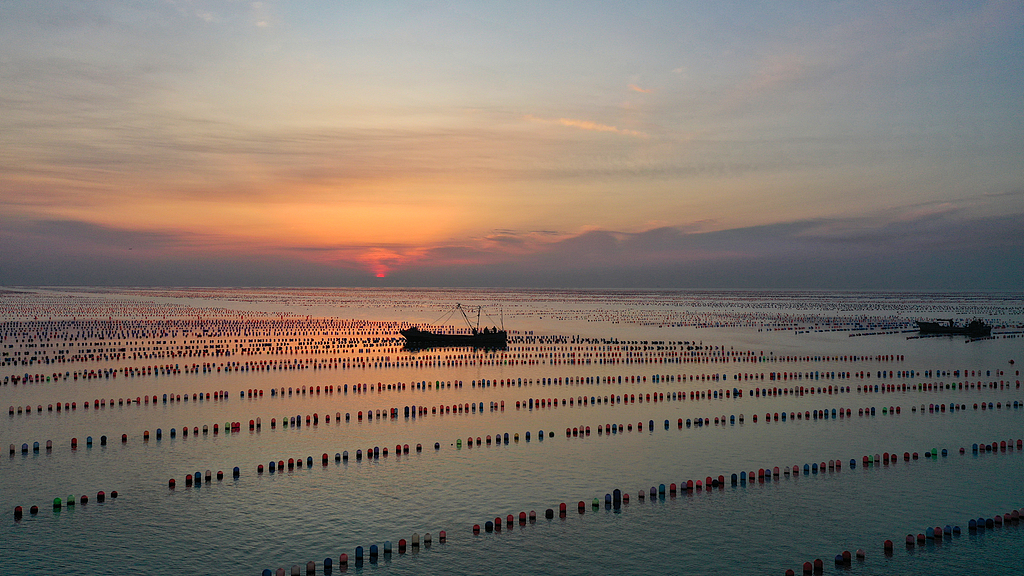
column 260, row 14
column 85, row 233
column 775, row 74
column 636, row 88
column 588, row 125
column 908, row 248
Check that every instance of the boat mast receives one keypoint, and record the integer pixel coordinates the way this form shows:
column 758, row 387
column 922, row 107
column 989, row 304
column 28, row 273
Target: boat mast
column 473, row 329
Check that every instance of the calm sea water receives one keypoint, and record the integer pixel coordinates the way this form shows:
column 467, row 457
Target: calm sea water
column 243, row 525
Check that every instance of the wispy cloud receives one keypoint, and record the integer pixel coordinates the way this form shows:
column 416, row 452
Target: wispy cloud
column 261, row 14
column 636, row 88
column 772, row 75
column 588, row 125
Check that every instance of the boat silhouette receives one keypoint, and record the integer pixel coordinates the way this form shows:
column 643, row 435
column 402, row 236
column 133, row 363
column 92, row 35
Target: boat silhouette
column 974, row 328
column 494, row 337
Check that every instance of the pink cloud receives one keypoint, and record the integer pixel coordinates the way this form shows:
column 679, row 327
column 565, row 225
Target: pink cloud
column 589, row 125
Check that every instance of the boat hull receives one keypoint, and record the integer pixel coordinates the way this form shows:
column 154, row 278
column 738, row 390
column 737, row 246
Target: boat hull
column 416, row 338
column 974, row 329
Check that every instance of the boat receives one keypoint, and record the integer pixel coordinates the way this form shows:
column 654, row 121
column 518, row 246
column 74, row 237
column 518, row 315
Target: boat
column 493, row 337
column 975, row 328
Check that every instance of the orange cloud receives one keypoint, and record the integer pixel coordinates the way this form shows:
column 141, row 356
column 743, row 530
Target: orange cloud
column 380, row 261
column 636, row 88
column 589, row 125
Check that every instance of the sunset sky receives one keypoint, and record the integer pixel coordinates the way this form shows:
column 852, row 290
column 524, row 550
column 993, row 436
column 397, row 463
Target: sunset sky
column 803, row 144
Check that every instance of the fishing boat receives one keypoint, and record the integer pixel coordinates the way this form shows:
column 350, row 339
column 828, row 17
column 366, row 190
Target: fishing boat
column 975, row 328
column 493, row 337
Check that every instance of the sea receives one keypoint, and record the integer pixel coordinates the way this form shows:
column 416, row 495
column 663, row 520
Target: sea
column 626, row 407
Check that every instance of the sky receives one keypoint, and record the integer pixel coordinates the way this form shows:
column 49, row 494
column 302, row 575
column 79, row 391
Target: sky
column 790, row 144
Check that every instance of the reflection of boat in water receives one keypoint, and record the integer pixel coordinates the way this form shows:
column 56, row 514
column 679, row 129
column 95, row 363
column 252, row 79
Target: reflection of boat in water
column 486, row 338
column 975, row 328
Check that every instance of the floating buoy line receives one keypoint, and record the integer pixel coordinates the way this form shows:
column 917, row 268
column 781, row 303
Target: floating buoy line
column 411, row 413
column 361, row 388
column 59, row 504
column 376, row 453
column 932, row 536
column 617, row 499
column 362, row 554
